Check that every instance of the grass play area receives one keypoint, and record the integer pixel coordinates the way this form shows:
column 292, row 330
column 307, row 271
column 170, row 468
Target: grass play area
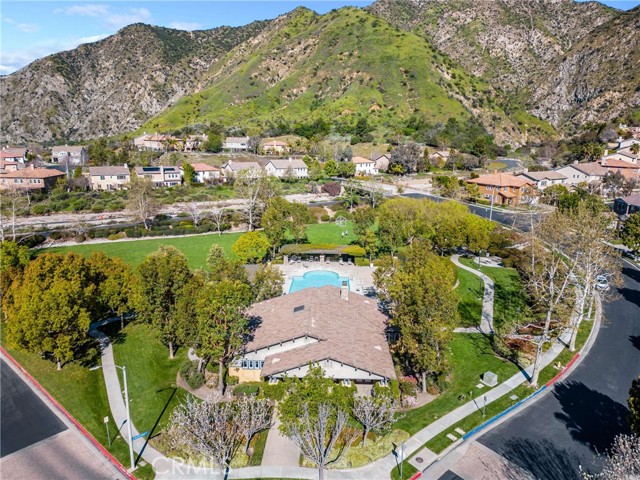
column 196, row 247
column 471, row 290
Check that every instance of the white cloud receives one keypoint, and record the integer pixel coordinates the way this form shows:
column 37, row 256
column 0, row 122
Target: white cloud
column 15, row 60
column 113, row 18
column 27, row 27
column 186, row 25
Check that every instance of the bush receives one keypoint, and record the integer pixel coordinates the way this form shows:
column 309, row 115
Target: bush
column 190, row 374
column 275, row 391
column 40, row 209
column 343, row 213
column 246, row 389
column 117, row 236
column 33, row 240
column 362, row 262
column 408, row 387
column 332, row 188
column 355, row 250
column 325, row 218
column 79, row 238
column 232, row 380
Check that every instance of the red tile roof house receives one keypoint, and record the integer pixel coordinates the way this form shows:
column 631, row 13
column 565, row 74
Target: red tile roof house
column 342, row 331
column 628, row 170
column 204, row 172
column 15, row 154
column 504, row 188
column 31, row 178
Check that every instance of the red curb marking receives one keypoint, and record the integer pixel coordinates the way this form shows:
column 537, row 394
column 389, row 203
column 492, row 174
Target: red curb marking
column 563, row 370
column 416, row 476
column 97, row 444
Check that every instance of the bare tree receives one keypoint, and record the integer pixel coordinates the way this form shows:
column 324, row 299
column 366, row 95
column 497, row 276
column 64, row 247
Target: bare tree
column 254, row 414
column 248, row 185
column 621, row 463
column 549, row 278
column 140, row 200
column 374, row 413
column 11, row 200
column 218, row 218
column 317, row 435
column 194, row 212
column 208, row 428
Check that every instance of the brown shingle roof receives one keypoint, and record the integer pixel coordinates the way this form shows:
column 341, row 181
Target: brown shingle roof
column 548, row 175
column 349, row 331
column 291, row 163
column 108, row 171
column 632, row 199
column 34, row 173
column 500, row 180
column 361, row 160
column 591, row 168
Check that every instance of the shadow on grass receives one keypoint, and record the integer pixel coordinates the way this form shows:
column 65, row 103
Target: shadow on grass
column 155, row 426
column 489, row 348
column 113, row 331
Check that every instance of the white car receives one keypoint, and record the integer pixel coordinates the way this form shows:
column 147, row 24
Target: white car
column 602, row 282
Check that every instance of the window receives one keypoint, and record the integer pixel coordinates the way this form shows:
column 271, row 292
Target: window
column 121, row 177
column 245, row 363
column 251, row 365
column 101, row 177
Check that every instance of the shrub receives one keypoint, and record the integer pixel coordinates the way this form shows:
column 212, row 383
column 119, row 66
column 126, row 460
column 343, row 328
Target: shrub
column 39, row 209
column 190, row 374
column 232, row 380
column 275, row 391
column 332, row 188
column 355, row 250
column 325, row 217
column 117, row 236
column 362, row 262
column 408, row 387
column 33, row 240
column 97, row 208
column 343, row 213
column 79, row 238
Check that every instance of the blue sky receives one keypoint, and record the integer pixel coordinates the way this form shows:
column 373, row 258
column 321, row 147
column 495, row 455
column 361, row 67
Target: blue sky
column 34, row 29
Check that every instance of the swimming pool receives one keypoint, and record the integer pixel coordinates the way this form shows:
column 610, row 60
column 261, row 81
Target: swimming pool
column 317, row 278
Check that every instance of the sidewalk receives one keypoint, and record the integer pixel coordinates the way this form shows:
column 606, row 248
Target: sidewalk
column 486, row 321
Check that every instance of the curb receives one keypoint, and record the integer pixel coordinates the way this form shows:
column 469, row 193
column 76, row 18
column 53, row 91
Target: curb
column 89, row 437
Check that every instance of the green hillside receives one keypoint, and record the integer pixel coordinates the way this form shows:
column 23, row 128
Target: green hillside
column 306, row 66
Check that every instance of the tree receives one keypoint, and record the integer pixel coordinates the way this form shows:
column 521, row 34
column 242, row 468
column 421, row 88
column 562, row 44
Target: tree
column 249, row 185
column 213, row 143
column 12, row 200
column 363, row 220
column 157, row 285
column 49, row 307
column 374, row 413
column 634, row 406
column 316, row 434
column 268, row 282
column 346, row 169
column 275, row 221
column 220, row 267
column 14, row 259
column 223, row 326
column 218, row 217
column 253, row 415
column 404, row 158
column 253, row 144
column 630, row 233
column 211, row 429
column 189, row 174
column 423, row 306
column 622, row 462
column 115, row 286
column 299, row 218
column 251, row 247
column 331, row 168
column 140, row 200
column 194, row 211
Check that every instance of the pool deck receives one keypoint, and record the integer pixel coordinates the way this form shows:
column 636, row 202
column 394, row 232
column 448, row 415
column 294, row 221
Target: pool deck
column 360, row 278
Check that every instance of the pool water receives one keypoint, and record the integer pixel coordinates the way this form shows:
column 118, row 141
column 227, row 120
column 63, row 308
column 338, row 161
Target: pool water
column 318, row 278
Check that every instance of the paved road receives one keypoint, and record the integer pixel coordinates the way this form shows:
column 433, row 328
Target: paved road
column 583, row 414
column 38, row 442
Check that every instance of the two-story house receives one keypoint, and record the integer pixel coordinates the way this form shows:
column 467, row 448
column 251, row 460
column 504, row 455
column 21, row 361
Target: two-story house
column 293, row 167
column 14, row 154
column 364, row 166
column 275, row 147
column 161, row 176
column 75, row 154
column 577, row 173
column 109, row 178
column 204, row 172
column 31, row 178
column 235, row 144
column 232, row 168
column 543, row 180
column 504, row 188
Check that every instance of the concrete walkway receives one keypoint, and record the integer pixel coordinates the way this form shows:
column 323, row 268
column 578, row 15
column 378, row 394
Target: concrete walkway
column 279, row 451
column 486, row 320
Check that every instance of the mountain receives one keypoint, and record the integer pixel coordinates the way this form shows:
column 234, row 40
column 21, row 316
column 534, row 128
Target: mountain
column 111, row 86
column 552, row 57
column 306, row 66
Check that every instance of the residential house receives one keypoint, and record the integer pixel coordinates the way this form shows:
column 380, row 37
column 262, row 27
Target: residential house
column 293, row 167
column 382, row 161
column 627, row 143
column 9, row 166
column 364, row 166
column 14, row 154
column 193, row 142
column 161, row 176
column 232, row 168
column 75, row 154
column 275, row 147
column 204, row 172
column 109, row 178
column 577, row 173
column 157, row 143
column 504, row 188
column 439, row 157
column 235, row 144
column 627, row 205
column 628, row 170
column 31, row 178
column 543, row 180
column 342, row 331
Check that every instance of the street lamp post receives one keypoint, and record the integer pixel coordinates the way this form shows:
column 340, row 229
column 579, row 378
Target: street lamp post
column 126, row 403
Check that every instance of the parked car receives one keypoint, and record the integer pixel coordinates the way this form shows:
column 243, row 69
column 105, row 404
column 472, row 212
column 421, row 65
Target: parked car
column 602, row 282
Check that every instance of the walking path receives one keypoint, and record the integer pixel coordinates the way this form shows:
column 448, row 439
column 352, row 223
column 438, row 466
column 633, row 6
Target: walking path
column 486, row 320
column 279, row 451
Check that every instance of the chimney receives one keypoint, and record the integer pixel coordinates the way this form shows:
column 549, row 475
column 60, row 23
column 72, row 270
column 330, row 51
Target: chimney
column 126, row 166
column 344, row 291
column 32, row 167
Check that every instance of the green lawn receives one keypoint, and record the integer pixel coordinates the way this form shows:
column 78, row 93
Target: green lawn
column 510, row 301
column 471, row 356
column 470, row 289
column 82, row 393
column 151, row 375
column 196, row 247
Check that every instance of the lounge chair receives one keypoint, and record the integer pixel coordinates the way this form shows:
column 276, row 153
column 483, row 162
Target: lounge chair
column 349, row 262
column 341, row 262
